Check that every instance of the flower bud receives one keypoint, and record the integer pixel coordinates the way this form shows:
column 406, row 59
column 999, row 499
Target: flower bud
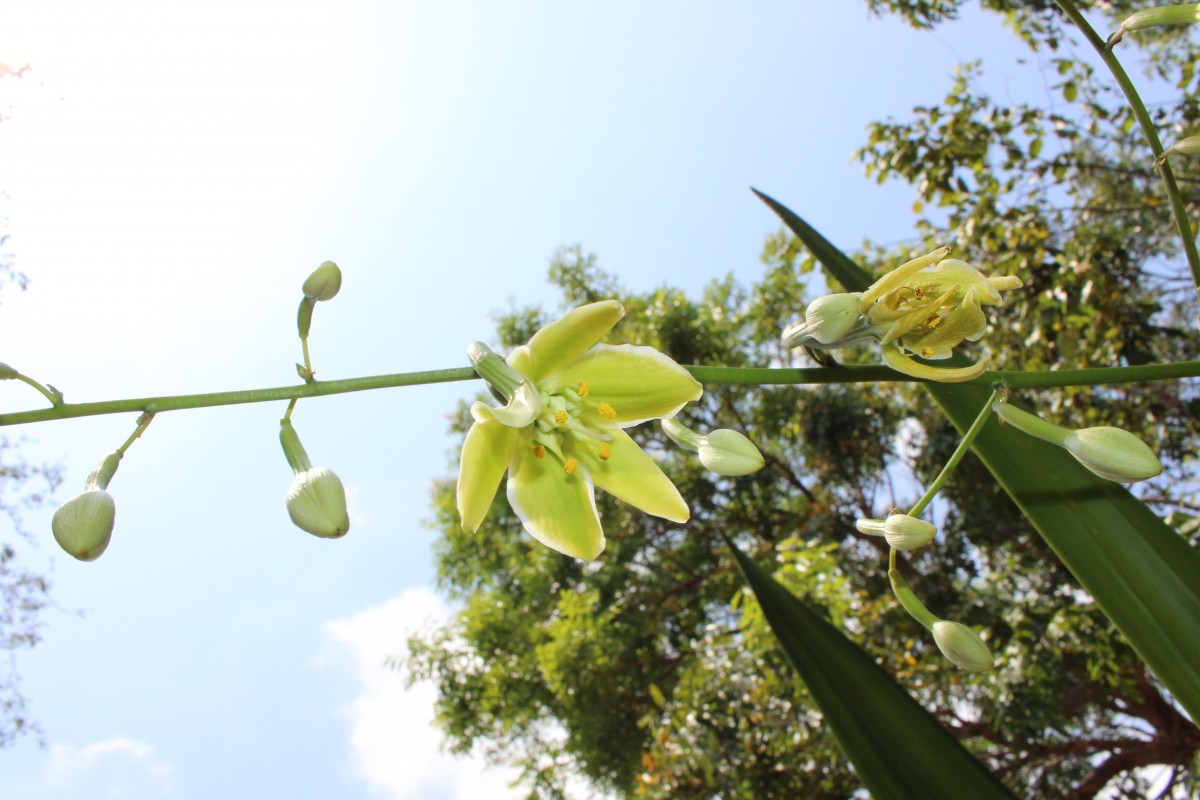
column 830, row 318
column 316, row 502
column 7, row 373
column 324, row 282
column 901, row 531
column 1187, row 146
column 1178, row 14
column 727, row 452
column 1113, row 454
column 962, row 646
column 83, row 525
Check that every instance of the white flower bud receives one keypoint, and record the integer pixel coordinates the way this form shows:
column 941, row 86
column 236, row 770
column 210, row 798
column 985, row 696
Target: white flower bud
column 727, row 452
column 901, row 531
column 962, row 646
column 316, row 502
column 83, row 525
column 1113, row 454
column 830, row 318
column 324, row 283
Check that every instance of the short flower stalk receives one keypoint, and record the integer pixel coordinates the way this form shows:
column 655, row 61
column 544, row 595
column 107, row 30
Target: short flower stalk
column 568, row 400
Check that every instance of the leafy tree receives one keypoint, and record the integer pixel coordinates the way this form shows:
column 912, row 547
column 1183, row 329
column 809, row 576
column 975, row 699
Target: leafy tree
column 654, row 674
column 24, row 593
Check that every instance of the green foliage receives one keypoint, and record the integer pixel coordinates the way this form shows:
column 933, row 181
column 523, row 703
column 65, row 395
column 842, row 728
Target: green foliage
column 652, row 675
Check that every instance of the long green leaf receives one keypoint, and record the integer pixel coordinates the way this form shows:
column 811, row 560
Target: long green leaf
column 899, row 750
column 1143, row 575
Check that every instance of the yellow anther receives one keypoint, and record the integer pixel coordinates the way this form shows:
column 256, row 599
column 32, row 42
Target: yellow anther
column 539, row 451
column 560, row 417
column 605, row 451
column 933, row 321
column 570, row 466
column 583, row 389
column 606, row 411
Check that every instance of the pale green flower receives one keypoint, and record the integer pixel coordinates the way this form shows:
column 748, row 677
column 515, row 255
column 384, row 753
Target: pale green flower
column 925, row 307
column 561, row 433
column 929, row 312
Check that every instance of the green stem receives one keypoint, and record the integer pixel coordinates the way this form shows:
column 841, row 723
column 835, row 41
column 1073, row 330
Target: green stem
column 909, row 600
column 984, row 414
column 1091, row 376
column 307, row 361
column 727, row 375
column 142, row 423
column 1178, row 208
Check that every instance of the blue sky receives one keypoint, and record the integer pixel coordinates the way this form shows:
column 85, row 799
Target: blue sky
column 171, row 173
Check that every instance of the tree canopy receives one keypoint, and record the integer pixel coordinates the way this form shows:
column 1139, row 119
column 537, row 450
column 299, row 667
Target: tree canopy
column 652, row 672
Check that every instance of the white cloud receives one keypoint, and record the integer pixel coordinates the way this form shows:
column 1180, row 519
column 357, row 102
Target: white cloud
column 396, row 747
column 112, row 767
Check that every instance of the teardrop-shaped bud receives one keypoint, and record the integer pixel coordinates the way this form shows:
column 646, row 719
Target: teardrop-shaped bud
column 827, row 320
column 316, row 502
column 901, row 531
column 728, row 452
column 963, row 646
column 1113, row 453
column 324, row 282
column 83, row 525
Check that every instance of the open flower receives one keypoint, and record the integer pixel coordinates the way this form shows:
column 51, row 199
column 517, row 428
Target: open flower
column 561, row 433
column 925, row 307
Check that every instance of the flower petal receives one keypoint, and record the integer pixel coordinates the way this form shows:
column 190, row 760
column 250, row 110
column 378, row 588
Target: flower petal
column 638, row 383
column 557, row 509
column 521, row 411
column 895, row 358
column 486, row 453
column 898, row 276
column 962, row 323
column 566, row 339
column 631, row 476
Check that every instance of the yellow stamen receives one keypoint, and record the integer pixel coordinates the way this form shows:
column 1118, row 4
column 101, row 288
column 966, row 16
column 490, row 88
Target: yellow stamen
column 583, row 389
column 570, row 466
column 605, row 451
column 560, row 417
column 539, row 451
column 606, row 411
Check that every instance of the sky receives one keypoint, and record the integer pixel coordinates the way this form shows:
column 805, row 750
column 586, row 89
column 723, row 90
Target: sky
column 172, row 171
